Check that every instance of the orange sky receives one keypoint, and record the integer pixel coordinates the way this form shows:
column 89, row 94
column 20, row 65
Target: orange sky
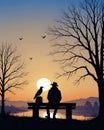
column 31, row 20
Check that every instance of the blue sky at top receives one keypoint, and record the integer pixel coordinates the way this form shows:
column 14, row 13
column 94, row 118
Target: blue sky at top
column 24, row 7
column 24, row 12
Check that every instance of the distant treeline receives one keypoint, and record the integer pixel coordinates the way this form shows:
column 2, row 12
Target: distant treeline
column 12, row 109
column 88, row 109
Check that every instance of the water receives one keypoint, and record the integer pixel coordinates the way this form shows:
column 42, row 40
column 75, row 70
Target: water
column 42, row 113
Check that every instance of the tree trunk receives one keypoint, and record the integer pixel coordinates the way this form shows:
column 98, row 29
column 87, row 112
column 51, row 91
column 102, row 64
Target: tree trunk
column 101, row 99
column 3, row 104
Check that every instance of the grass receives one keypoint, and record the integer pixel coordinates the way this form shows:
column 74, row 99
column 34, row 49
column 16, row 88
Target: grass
column 29, row 123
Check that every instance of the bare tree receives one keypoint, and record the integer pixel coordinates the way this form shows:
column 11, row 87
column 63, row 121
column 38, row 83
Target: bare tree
column 11, row 72
column 84, row 52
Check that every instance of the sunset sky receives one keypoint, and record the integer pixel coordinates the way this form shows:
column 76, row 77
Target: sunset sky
column 30, row 19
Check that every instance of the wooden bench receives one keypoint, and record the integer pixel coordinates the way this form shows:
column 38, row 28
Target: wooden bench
column 66, row 106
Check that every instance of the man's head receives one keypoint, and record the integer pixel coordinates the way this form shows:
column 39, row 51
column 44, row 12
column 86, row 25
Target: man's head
column 54, row 84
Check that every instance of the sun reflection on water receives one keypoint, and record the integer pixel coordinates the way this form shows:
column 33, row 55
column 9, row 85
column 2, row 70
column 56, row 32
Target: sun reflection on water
column 43, row 113
column 51, row 115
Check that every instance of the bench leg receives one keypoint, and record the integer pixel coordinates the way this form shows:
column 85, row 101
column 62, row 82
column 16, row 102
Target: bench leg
column 36, row 113
column 68, row 113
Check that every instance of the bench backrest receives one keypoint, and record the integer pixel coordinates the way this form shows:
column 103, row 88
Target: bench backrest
column 44, row 105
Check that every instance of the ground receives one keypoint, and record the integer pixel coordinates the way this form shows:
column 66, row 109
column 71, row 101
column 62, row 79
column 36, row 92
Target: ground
column 29, row 123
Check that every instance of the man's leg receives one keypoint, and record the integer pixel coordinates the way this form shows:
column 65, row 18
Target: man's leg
column 55, row 111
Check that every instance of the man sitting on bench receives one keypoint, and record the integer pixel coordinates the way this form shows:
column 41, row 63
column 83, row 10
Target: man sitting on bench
column 54, row 98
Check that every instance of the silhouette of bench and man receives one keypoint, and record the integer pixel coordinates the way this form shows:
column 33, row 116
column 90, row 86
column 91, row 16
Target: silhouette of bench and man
column 54, row 97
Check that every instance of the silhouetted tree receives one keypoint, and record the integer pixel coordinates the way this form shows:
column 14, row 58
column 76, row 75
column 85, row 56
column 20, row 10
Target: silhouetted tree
column 84, row 52
column 11, row 72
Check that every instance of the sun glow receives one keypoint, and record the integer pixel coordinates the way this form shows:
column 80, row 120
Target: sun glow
column 43, row 82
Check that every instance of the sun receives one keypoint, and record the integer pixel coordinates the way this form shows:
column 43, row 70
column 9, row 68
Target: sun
column 45, row 82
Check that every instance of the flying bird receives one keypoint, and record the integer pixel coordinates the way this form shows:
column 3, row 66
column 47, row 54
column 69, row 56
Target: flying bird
column 20, row 38
column 39, row 92
column 30, row 58
column 44, row 36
